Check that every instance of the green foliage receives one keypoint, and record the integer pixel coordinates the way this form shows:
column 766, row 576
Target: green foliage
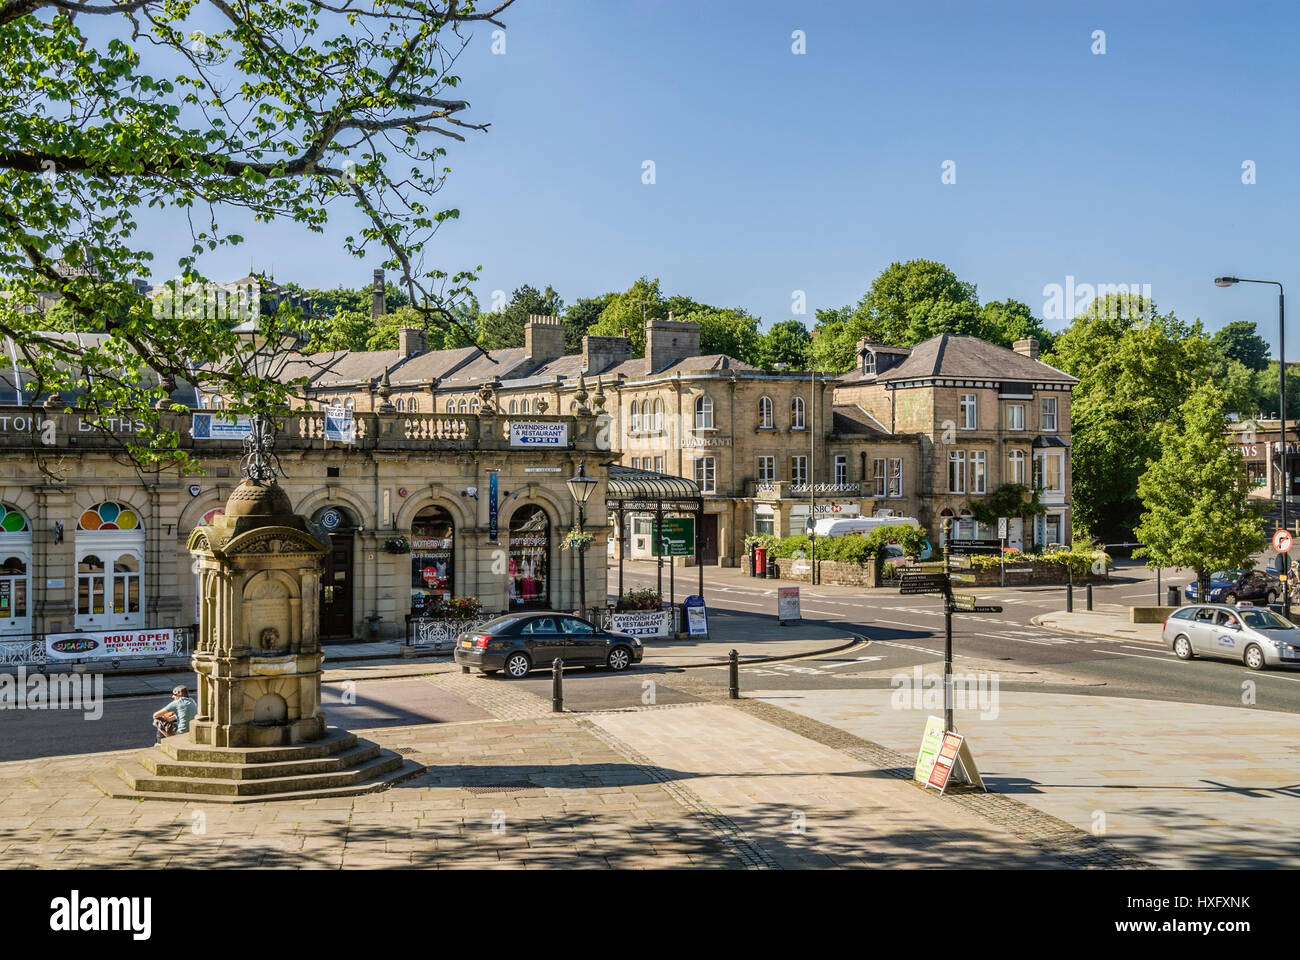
column 505, row 328
column 647, row 599
column 629, row 311
column 852, row 548
column 1197, row 509
column 1005, row 321
column 787, row 342
column 1135, row 368
column 580, row 317
column 1239, row 341
column 1080, row 561
column 733, row 332
column 278, row 111
column 834, row 348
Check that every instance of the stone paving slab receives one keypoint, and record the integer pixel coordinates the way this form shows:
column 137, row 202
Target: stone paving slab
column 1102, row 623
column 1169, row 782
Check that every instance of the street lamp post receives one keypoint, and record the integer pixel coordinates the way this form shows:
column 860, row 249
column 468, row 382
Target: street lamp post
column 581, row 487
column 1281, row 363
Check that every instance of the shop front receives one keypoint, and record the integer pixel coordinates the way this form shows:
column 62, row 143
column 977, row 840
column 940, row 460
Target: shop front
column 529, row 560
column 433, row 556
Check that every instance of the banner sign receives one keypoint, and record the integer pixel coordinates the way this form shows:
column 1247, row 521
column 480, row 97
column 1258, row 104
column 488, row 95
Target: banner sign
column 86, row 645
column 697, row 621
column 929, row 749
column 339, row 425
column 492, row 506
column 210, row 426
column 643, row 623
column 533, row 434
column 787, row 605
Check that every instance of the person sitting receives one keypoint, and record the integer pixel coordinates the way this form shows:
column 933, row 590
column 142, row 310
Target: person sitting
column 176, row 716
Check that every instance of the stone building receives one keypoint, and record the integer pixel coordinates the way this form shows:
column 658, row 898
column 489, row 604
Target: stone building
column 90, row 542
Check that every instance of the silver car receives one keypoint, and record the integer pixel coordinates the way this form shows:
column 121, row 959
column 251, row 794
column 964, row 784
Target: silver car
column 1257, row 637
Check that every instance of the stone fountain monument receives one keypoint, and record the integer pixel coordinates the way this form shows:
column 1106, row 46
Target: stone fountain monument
column 260, row 732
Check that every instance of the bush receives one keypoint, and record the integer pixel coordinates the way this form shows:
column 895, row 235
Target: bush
column 454, row 608
column 852, row 548
column 639, row 600
column 1080, row 561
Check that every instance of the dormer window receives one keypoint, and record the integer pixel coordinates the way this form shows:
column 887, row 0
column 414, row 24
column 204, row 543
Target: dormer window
column 868, row 362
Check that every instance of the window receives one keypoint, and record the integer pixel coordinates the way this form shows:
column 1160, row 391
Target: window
column 634, row 417
column 796, row 413
column 798, row 470
column 764, row 521
column 967, row 414
column 841, row 470
column 766, row 469
column 1049, row 415
column 1049, row 469
column 349, row 404
column 896, row 477
column 704, row 413
column 400, row 405
column 765, row 413
column 473, row 406
column 659, row 416
column 979, row 465
column 413, row 405
column 1016, row 466
column 1016, row 416
column 462, row 406
column 514, row 406
column 659, row 464
column 705, row 474
column 525, row 407
column 878, row 476
column 110, row 562
column 529, row 563
column 957, row 471
column 433, row 558
column 15, row 571
column 636, row 463
column 868, row 362
column 451, row 406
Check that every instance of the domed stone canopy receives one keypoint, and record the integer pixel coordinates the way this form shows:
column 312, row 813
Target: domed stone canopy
column 255, row 498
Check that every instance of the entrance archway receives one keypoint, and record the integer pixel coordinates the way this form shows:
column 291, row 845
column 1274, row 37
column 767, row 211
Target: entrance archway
column 433, row 558
column 336, row 613
column 15, row 572
column 110, row 568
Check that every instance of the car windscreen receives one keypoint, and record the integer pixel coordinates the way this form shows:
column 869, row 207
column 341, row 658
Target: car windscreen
column 1266, row 620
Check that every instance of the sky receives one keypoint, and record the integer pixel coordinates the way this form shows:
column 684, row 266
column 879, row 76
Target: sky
column 777, row 172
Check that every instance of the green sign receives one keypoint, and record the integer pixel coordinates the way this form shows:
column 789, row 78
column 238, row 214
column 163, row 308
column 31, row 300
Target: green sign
column 680, row 534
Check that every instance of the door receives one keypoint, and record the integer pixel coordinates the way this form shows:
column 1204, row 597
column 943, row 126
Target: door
column 336, row 588
column 581, row 641
column 544, row 640
column 15, row 582
column 1201, row 630
column 707, row 537
column 1227, row 635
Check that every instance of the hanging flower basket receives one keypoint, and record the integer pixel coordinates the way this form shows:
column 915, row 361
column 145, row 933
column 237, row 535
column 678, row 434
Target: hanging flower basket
column 397, row 545
column 573, row 540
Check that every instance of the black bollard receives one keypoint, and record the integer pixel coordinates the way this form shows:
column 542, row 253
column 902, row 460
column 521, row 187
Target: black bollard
column 733, row 693
column 557, row 685
column 1069, row 596
column 1088, row 596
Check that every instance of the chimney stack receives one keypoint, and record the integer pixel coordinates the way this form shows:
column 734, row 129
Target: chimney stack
column 601, row 353
column 378, row 304
column 544, row 338
column 412, row 340
column 1027, row 348
column 667, row 341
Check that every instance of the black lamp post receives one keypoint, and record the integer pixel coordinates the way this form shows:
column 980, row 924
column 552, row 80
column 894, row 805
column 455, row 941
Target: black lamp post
column 581, row 487
column 267, row 351
column 1281, row 363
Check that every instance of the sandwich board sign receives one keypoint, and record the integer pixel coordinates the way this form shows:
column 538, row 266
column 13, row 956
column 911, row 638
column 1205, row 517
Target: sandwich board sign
column 953, row 752
column 930, row 741
column 787, row 605
column 697, row 620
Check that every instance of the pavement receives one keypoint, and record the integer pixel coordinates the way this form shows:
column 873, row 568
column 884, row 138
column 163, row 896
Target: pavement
column 1113, row 623
column 711, row 783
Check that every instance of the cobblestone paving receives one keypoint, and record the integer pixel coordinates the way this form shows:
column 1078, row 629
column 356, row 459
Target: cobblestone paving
column 501, row 698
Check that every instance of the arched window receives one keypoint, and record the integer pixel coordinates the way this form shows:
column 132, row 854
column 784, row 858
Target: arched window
column 765, row 413
column 525, row 407
column 514, row 406
column 659, row 416
column 433, row 558
column 349, row 404
column 704, row 412
column 110, row 567
column 796, row 414
column 451, row 406
column 400, row 405
column 15, row 572
column 413, row 405
column 529, row 562
column 473, row 406
column 463, row 406
column 634, row 418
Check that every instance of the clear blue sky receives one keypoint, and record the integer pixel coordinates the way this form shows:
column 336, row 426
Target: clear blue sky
column 778, row 172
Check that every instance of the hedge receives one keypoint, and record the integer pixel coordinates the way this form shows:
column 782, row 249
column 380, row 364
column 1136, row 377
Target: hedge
column 852, row 548
column 1080, row 561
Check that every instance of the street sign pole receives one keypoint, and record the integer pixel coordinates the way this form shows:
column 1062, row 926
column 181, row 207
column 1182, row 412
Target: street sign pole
column 947, row 631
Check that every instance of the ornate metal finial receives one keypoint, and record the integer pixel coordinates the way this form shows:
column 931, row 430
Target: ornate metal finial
column 258, row 451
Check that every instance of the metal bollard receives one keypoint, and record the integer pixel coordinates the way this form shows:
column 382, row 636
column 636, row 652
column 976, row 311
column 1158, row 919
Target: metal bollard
column 557, row 685
column 1069, row 597
column 1088, row 596
column 733, row 693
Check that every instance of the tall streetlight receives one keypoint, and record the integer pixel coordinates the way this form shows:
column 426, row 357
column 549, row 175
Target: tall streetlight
column 581, row 487
column 267, row 349
column 1281, row 363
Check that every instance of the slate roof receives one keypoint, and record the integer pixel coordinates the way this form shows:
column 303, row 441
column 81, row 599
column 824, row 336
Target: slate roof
column 959, row 356
column 850, row 420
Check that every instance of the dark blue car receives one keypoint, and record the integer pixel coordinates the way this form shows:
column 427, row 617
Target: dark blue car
column 1232, row 586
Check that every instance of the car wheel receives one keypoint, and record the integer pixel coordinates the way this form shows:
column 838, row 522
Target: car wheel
column 1254, row 657
column 620, row 658
column 1272, row 597
column 1183, row 648
column 517, row 666
column 1230, row 599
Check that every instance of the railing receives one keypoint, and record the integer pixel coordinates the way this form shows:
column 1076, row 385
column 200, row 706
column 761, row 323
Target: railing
column 29, row 648
column 785, row 489
column 440, row 634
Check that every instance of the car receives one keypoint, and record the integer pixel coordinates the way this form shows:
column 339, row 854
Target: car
column 518, row 642
column 1257, row 637
column 1230, row 586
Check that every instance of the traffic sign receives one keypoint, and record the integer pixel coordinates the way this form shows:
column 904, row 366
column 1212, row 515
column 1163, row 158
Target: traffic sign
column 974, row 546
column 924, row 583
column 677, row 534
column 1282, row 541
column 963, row 598
column 963, row 577
column 985, row 610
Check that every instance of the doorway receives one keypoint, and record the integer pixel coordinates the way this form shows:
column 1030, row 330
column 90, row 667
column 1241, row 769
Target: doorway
column 708, row 537
column 336, row 615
